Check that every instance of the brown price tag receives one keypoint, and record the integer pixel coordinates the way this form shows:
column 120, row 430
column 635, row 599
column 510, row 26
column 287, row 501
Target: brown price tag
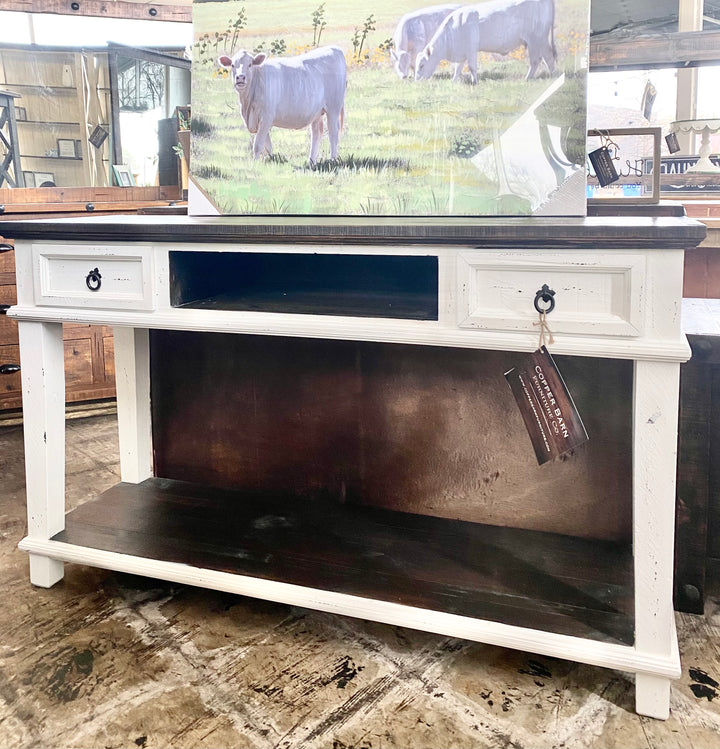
column 550, row 416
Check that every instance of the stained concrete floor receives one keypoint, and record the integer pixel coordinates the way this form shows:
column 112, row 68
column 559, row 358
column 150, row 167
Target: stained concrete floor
column 110, row 660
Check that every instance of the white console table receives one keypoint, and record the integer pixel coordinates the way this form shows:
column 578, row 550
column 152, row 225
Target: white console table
column 451, row 284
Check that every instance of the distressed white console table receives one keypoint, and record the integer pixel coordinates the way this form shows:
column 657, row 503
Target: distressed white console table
column 362, row 291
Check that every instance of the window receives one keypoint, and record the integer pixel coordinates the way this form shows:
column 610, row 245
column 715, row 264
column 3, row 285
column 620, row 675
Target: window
column 141, row 85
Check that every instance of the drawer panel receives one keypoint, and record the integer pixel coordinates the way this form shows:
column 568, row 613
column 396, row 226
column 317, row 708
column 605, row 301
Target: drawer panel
column 93, row 276
column 595, row 294
column 11, row 383
column 8, row 327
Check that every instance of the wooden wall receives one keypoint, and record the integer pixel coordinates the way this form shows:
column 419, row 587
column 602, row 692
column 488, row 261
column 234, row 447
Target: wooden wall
column 54, row 104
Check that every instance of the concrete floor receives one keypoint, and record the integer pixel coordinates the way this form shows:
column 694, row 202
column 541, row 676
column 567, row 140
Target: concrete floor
column 110, row 660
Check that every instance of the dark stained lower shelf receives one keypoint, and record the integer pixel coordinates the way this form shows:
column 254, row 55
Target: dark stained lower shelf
column 539, row 580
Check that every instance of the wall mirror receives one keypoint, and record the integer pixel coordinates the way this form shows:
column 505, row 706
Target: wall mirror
column 70, row 113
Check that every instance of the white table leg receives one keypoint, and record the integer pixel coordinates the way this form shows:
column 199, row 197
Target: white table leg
column 654, row 467
column 652, row 696
column 43, row 386
column 132, row 383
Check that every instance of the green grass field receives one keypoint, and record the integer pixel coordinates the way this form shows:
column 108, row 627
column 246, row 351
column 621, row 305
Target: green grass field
column 405, row 145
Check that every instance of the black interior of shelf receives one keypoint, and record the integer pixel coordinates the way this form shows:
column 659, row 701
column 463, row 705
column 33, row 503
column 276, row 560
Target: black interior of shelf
column 387, row 286
column 527, row 578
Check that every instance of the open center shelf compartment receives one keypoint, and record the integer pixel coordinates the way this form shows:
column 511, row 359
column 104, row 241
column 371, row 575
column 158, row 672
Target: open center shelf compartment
column 527, row 578
column 355, row 285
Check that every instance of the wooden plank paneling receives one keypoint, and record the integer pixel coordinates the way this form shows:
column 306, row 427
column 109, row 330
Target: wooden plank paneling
column 155, row 11
column 692, row 481
column 108, row 346
column 643, row 51
column 713, row 547
column 8, row 326
column 10, row 384
column 32, row 197
column 7, row 264
column 78, row 359
column 695, row 275
column 712, row 290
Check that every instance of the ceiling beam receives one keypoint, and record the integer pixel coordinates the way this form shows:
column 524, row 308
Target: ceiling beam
column 611, row 51
column 677, row 49
column 139, row 11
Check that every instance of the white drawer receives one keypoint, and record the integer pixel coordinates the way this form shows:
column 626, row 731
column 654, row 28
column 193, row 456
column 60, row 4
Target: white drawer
column 595, row 294
column 102, row 276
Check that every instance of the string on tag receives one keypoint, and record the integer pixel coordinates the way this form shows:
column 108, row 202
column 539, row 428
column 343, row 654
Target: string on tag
column 546, row 336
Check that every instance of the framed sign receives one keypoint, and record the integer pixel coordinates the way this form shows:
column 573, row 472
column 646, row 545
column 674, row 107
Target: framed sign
column 382, row 109
column 632, row 155
column 44, row 179
column 98, row 136
column 66, row 148
column 123, row 176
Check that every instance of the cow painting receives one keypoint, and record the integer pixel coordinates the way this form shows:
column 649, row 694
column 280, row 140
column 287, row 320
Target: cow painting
column 496, row 26
column 290, row 92
column 413, row 32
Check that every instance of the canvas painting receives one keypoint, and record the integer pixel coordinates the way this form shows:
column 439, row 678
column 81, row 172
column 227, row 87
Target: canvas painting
column 338, row 108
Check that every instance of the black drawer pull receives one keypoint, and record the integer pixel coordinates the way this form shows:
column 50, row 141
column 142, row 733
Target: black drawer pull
column 5, row 247
column 548, row 296
column 9, row 368
column 93, row 280
column 4, row 308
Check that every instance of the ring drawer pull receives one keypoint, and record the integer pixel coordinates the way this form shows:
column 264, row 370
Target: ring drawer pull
column 93, row 280
column 548, row 296
column 9, row 368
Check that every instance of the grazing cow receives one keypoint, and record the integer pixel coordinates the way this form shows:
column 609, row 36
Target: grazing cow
column 495, row 26
column 290, row 92
column 413, row 32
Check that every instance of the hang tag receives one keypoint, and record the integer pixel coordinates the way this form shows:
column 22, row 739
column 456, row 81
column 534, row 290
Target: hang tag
column 546, row 406
column 672, row 142
column 602, row 163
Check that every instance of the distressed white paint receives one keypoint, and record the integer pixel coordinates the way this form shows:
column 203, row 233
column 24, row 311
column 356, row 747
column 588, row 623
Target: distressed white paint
column 60, row 272
column 132, row 384
column 624, row 304
column 425, row 333
column 655, row 421
column 595, row 293
column 634, row 297
column 594, row 652
column 43, row 386
column 652, row 696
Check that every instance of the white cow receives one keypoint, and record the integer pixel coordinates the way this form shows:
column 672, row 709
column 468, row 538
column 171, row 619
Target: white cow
column 413, row 32
column 290, row 92
column 494, row 26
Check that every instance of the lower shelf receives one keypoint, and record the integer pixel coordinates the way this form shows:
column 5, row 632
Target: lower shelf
column 536, row 580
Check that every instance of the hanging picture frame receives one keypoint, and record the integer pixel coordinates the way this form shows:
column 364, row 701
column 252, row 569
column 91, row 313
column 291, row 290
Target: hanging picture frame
column 636, row 156
column 98, row 136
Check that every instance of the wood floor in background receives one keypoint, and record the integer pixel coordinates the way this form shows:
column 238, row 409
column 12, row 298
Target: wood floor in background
column 110, row 660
